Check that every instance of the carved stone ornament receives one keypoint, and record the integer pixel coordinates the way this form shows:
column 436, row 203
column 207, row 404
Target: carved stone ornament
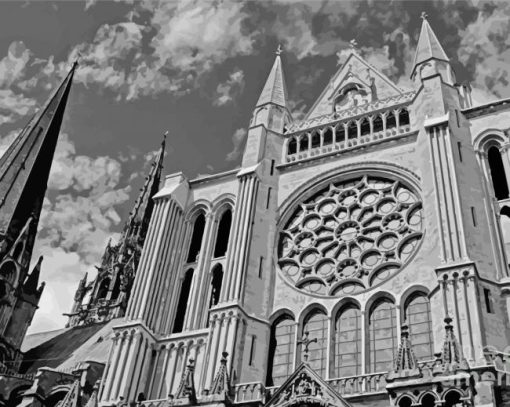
column 304, row 386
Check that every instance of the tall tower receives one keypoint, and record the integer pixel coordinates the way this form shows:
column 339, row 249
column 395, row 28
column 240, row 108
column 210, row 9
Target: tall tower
column 106, row 297
column 24, row 171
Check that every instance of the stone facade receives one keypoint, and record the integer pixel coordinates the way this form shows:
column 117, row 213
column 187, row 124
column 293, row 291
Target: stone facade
column 365, row 264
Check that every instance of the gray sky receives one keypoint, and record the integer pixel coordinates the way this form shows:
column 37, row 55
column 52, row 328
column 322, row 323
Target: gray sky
column 194, row 68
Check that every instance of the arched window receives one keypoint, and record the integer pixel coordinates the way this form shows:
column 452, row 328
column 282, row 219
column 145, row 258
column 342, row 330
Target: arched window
column 452, row 399
column 303, row 142
column 417, row 315
column 347, row 342
column 18, row 250
column 382, row 329
column 316, row 324
column 405, row 402
column 281, row 350
column 220, row 248
column 316, row 139
column 499, row 181
column 403, row 117
column 196, row 238
column 217, row 279
column 103, row 288
column 292, row 149
column 8, row 271
column 327, row 137
column 391, row 121
column 428, row 400
column 182, row 305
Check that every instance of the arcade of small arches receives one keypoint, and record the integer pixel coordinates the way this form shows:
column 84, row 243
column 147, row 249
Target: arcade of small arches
column 350, row 341
column 345, row 133
column 215, row 250
column 450, row 398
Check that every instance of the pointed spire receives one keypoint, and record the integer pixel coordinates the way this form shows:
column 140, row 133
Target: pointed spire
column 452, row 353
column 186, row 387
column 221, row 383
column 143, row 206
column 406, row 360
column 72, row 396
column 275, row 90
column 428, row 45
column 32, row 282
column 25, row 166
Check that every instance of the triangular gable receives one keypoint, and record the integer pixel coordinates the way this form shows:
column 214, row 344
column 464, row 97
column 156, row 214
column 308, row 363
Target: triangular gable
column 355, row 71
column 305, row 386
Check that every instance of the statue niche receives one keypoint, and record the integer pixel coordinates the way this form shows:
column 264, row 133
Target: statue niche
column 350, row 96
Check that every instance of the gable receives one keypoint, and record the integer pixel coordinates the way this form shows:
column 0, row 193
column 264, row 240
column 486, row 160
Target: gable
column 305, row 386
column 355, row 83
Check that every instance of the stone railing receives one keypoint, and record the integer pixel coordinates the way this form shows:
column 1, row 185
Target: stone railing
column 246, row 392
column 500, row 360
column 5, row 371
column 369, row 383
column 351, row 112
column 348, row 134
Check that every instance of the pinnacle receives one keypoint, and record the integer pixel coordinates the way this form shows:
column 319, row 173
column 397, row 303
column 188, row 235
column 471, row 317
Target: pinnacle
column 428, row 46
column 275, row 89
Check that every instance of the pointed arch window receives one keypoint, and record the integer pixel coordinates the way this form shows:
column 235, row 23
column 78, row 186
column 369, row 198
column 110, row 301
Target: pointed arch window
column 102, row 292
column 347, row 345
column 221, row 245
column 418, row 317
column 316, row 324
column 498, row 175
column 216, row 281
column 382, row 330
column 281, row 350
column 196, row 238
column 182, row 305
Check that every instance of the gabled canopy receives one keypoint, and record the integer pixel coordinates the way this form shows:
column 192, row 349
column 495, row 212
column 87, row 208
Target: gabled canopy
column 303, row 387
column 354, row 72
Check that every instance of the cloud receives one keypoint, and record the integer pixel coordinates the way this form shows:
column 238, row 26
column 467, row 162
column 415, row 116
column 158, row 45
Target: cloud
column 227, row 91
column 485, row 49
column 238, row 139
column 12, row 66
column 14, row 105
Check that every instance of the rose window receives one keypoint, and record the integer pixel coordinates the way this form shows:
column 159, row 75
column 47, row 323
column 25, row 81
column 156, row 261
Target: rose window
column 350, row 236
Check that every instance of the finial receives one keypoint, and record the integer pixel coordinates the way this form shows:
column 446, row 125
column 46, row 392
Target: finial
column 279, row 50
column 353, row 44
column 424, row 15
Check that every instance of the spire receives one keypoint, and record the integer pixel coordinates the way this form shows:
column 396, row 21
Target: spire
column 25, row 166
column 143, row 206
column 275, row 90
column 32, row 282
column 428, row 45
column 452, row 353
column 186, row 387
column 221, row 383
column 406, row 360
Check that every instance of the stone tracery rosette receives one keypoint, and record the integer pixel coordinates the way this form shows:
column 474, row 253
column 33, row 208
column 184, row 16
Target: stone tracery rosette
column 351, row 235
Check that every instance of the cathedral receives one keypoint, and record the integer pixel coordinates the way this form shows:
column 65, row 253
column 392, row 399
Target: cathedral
column 358, row 257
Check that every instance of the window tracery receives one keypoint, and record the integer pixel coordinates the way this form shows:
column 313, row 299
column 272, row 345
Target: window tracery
column 350, row 235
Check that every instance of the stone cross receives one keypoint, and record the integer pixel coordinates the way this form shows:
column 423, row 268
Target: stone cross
column 353, row 44
column 423, row 15
column 305, row 341
column 279, row 49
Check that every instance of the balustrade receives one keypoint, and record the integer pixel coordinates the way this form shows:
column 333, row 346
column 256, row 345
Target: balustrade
column 348, row 134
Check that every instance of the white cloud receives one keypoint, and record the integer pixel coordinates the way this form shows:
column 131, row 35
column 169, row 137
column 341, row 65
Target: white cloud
column 238, row 139
column 14, row 105
column 227, row 91
column 12, row 66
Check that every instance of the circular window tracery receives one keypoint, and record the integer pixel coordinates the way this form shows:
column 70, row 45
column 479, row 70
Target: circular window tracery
column 350, row 235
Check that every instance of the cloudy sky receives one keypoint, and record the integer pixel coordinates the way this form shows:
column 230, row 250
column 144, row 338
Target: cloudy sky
column 194, row 68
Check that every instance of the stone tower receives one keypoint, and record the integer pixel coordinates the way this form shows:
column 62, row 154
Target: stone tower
column 106, row 297
column 356, row 258
column 24, row 171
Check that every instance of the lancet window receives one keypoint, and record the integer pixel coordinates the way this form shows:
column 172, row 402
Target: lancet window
column 498, row 175
column 182, row 305
column 281, row 350
column 347, row 347
column 217, row 279
column 382, row 330
column 220, row 248
column 418, row 317
column 315, row 328
column 196, row 238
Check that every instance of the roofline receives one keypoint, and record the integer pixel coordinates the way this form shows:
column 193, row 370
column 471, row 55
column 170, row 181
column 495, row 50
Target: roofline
column 213, row 177
column 497, row 105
